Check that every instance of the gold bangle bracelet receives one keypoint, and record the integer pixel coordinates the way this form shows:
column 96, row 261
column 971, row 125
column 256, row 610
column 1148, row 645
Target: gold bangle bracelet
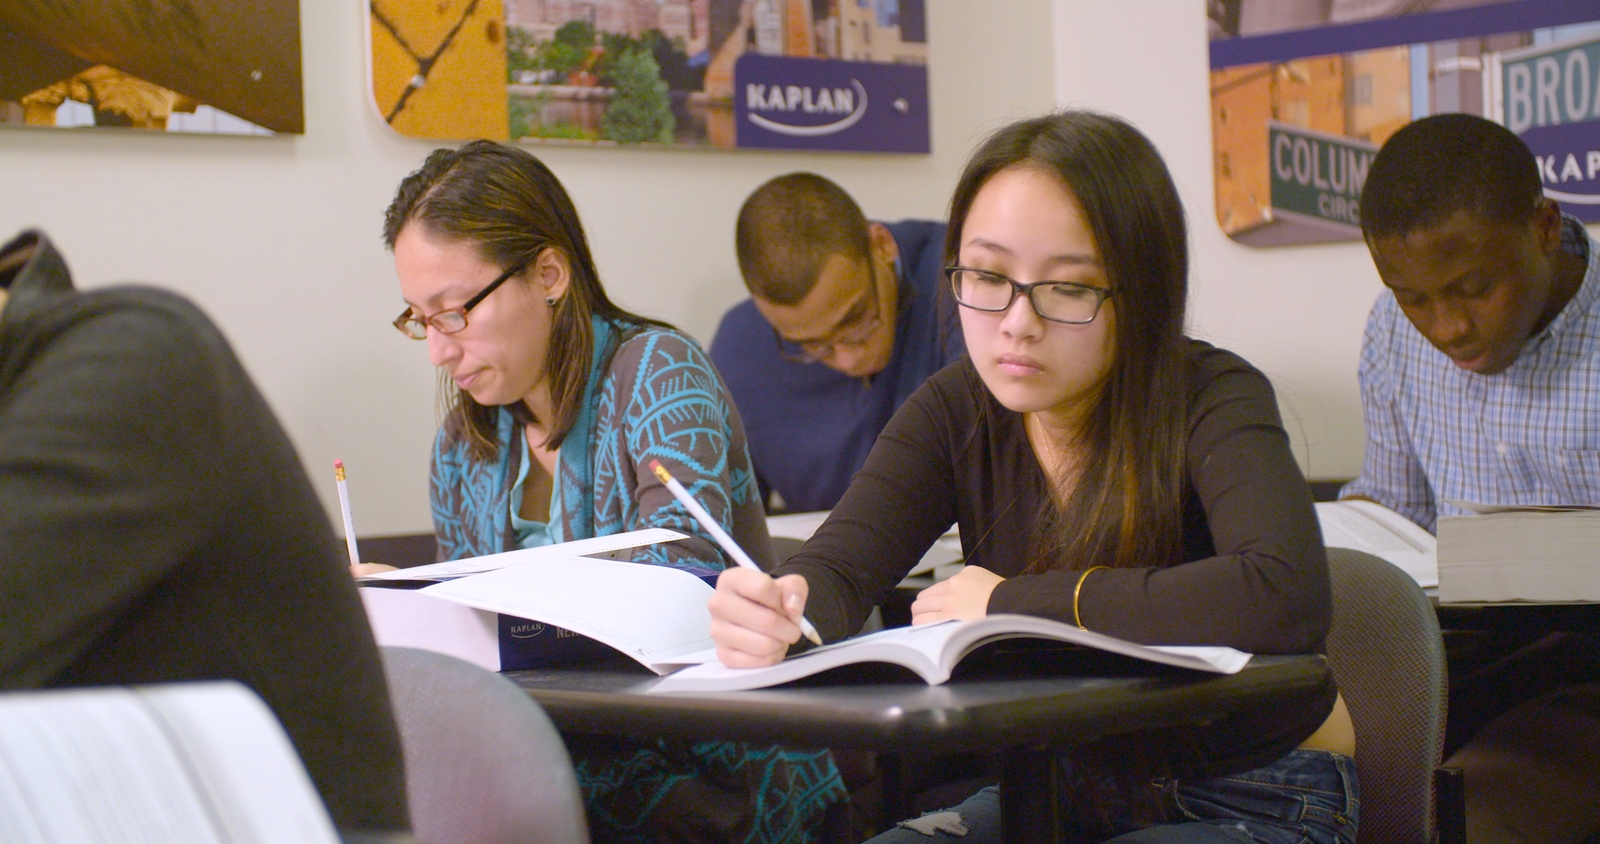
column 1078, row 590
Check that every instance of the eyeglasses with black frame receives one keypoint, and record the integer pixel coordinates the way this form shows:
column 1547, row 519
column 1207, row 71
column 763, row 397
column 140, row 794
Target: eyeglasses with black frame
column 819, row 351
column 1057, row 301
column 854, row 333
column 452, row 320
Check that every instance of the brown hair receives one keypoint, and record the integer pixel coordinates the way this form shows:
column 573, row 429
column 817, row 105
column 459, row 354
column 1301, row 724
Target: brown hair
column 507, row 203
column 789, row 227
column 1126, row 506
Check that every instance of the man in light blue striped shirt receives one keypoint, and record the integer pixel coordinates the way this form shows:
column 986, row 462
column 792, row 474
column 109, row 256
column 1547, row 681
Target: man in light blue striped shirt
column 1480, row 368
column 1480, row 381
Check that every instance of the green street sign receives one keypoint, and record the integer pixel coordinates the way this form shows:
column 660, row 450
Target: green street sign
column 1317, row 178
column 1548, row 85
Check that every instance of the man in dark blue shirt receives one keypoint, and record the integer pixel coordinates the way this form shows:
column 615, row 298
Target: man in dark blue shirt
column 846, row 319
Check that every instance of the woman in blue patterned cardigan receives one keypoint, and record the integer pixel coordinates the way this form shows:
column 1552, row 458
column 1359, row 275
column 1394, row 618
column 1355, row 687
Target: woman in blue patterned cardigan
column 557, row 401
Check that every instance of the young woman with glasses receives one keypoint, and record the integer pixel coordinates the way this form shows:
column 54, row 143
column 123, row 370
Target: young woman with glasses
column 1105, row 471
column 558, row 400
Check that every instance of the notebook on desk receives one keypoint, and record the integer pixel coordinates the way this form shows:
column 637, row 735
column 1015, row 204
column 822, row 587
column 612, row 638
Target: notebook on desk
column 541, row 606
column 934, row 650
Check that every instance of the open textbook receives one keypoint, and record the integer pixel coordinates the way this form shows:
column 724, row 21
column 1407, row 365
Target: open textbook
column 943, row 556
column 546, row 608
column 933, row 650
column 1373, row 528
column 200, row 763
column 1548, row 554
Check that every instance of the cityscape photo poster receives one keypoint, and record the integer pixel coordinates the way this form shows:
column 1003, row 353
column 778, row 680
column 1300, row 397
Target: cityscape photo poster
column 1305, row 92
column 735, row 74
column 194, row 66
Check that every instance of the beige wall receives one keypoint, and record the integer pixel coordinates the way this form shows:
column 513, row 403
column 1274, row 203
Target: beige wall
column 278, row 237
column 1296, row 312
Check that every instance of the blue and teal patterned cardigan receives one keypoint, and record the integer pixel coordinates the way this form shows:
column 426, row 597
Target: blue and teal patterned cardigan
column 652, row 394
column 656, row 397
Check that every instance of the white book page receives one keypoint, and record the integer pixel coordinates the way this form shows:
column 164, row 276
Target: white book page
column 576, row 548
column 1486, row 509
column 651, row 613
column 916, row 648
column 246, row 762
column 1377, row 530
column 971, row 634
column 932, row 651
column 194, row 763
column 406, row 618
column 945, row 551
column 685, row 660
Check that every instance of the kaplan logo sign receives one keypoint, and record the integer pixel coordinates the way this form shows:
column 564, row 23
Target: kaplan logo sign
column 850, row 102
column 794, row 103
column 525, row 629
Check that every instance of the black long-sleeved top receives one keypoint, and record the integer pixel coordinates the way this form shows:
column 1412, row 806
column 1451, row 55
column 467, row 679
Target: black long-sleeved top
column 1252, row 575
column 156, row 525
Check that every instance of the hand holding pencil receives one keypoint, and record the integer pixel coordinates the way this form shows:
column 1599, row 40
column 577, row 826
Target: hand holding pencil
column 357, row 568
column 722, row 538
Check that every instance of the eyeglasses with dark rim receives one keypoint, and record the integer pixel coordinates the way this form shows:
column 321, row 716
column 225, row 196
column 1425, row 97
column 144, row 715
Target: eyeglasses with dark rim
column 850, row 335
column 1057, row 301
column 452, row 320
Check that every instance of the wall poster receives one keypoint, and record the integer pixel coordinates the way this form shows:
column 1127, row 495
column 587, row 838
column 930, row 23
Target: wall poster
column 207, row 66
column 769, row 74
column 1304, row 92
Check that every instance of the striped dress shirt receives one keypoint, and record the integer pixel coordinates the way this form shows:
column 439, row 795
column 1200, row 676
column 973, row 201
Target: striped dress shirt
column 1528, row 435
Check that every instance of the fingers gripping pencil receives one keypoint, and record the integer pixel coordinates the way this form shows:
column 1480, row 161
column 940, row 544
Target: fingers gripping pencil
column 728, row 545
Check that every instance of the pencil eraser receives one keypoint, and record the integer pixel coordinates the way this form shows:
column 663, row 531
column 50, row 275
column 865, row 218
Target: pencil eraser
column 655, row 465
column 338, row 464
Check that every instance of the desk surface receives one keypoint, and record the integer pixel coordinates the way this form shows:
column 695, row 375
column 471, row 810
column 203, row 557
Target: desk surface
column 1026, row 705
column 1577, row 618
column 976, row 713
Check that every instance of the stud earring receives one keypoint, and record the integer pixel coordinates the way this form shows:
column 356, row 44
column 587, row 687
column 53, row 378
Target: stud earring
column 550, row 300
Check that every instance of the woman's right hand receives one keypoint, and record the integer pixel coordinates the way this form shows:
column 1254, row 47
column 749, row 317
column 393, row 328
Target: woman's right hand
column 754, row 618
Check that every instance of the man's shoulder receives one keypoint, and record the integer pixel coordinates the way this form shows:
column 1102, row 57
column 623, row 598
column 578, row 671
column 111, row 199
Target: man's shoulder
column 916, row 227
column 745, row 348
column 1389, row 338
column 917, row 237
column 738, row 326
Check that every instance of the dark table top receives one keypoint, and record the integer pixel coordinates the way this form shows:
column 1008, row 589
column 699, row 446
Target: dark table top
column 1047, row 700
column 1575, row 618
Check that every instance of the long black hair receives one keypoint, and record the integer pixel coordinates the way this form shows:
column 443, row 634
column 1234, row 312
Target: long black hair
column 1126, row 504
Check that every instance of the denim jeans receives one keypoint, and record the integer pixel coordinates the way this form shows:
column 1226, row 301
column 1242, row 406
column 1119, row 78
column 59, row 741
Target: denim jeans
column 1306, row 796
